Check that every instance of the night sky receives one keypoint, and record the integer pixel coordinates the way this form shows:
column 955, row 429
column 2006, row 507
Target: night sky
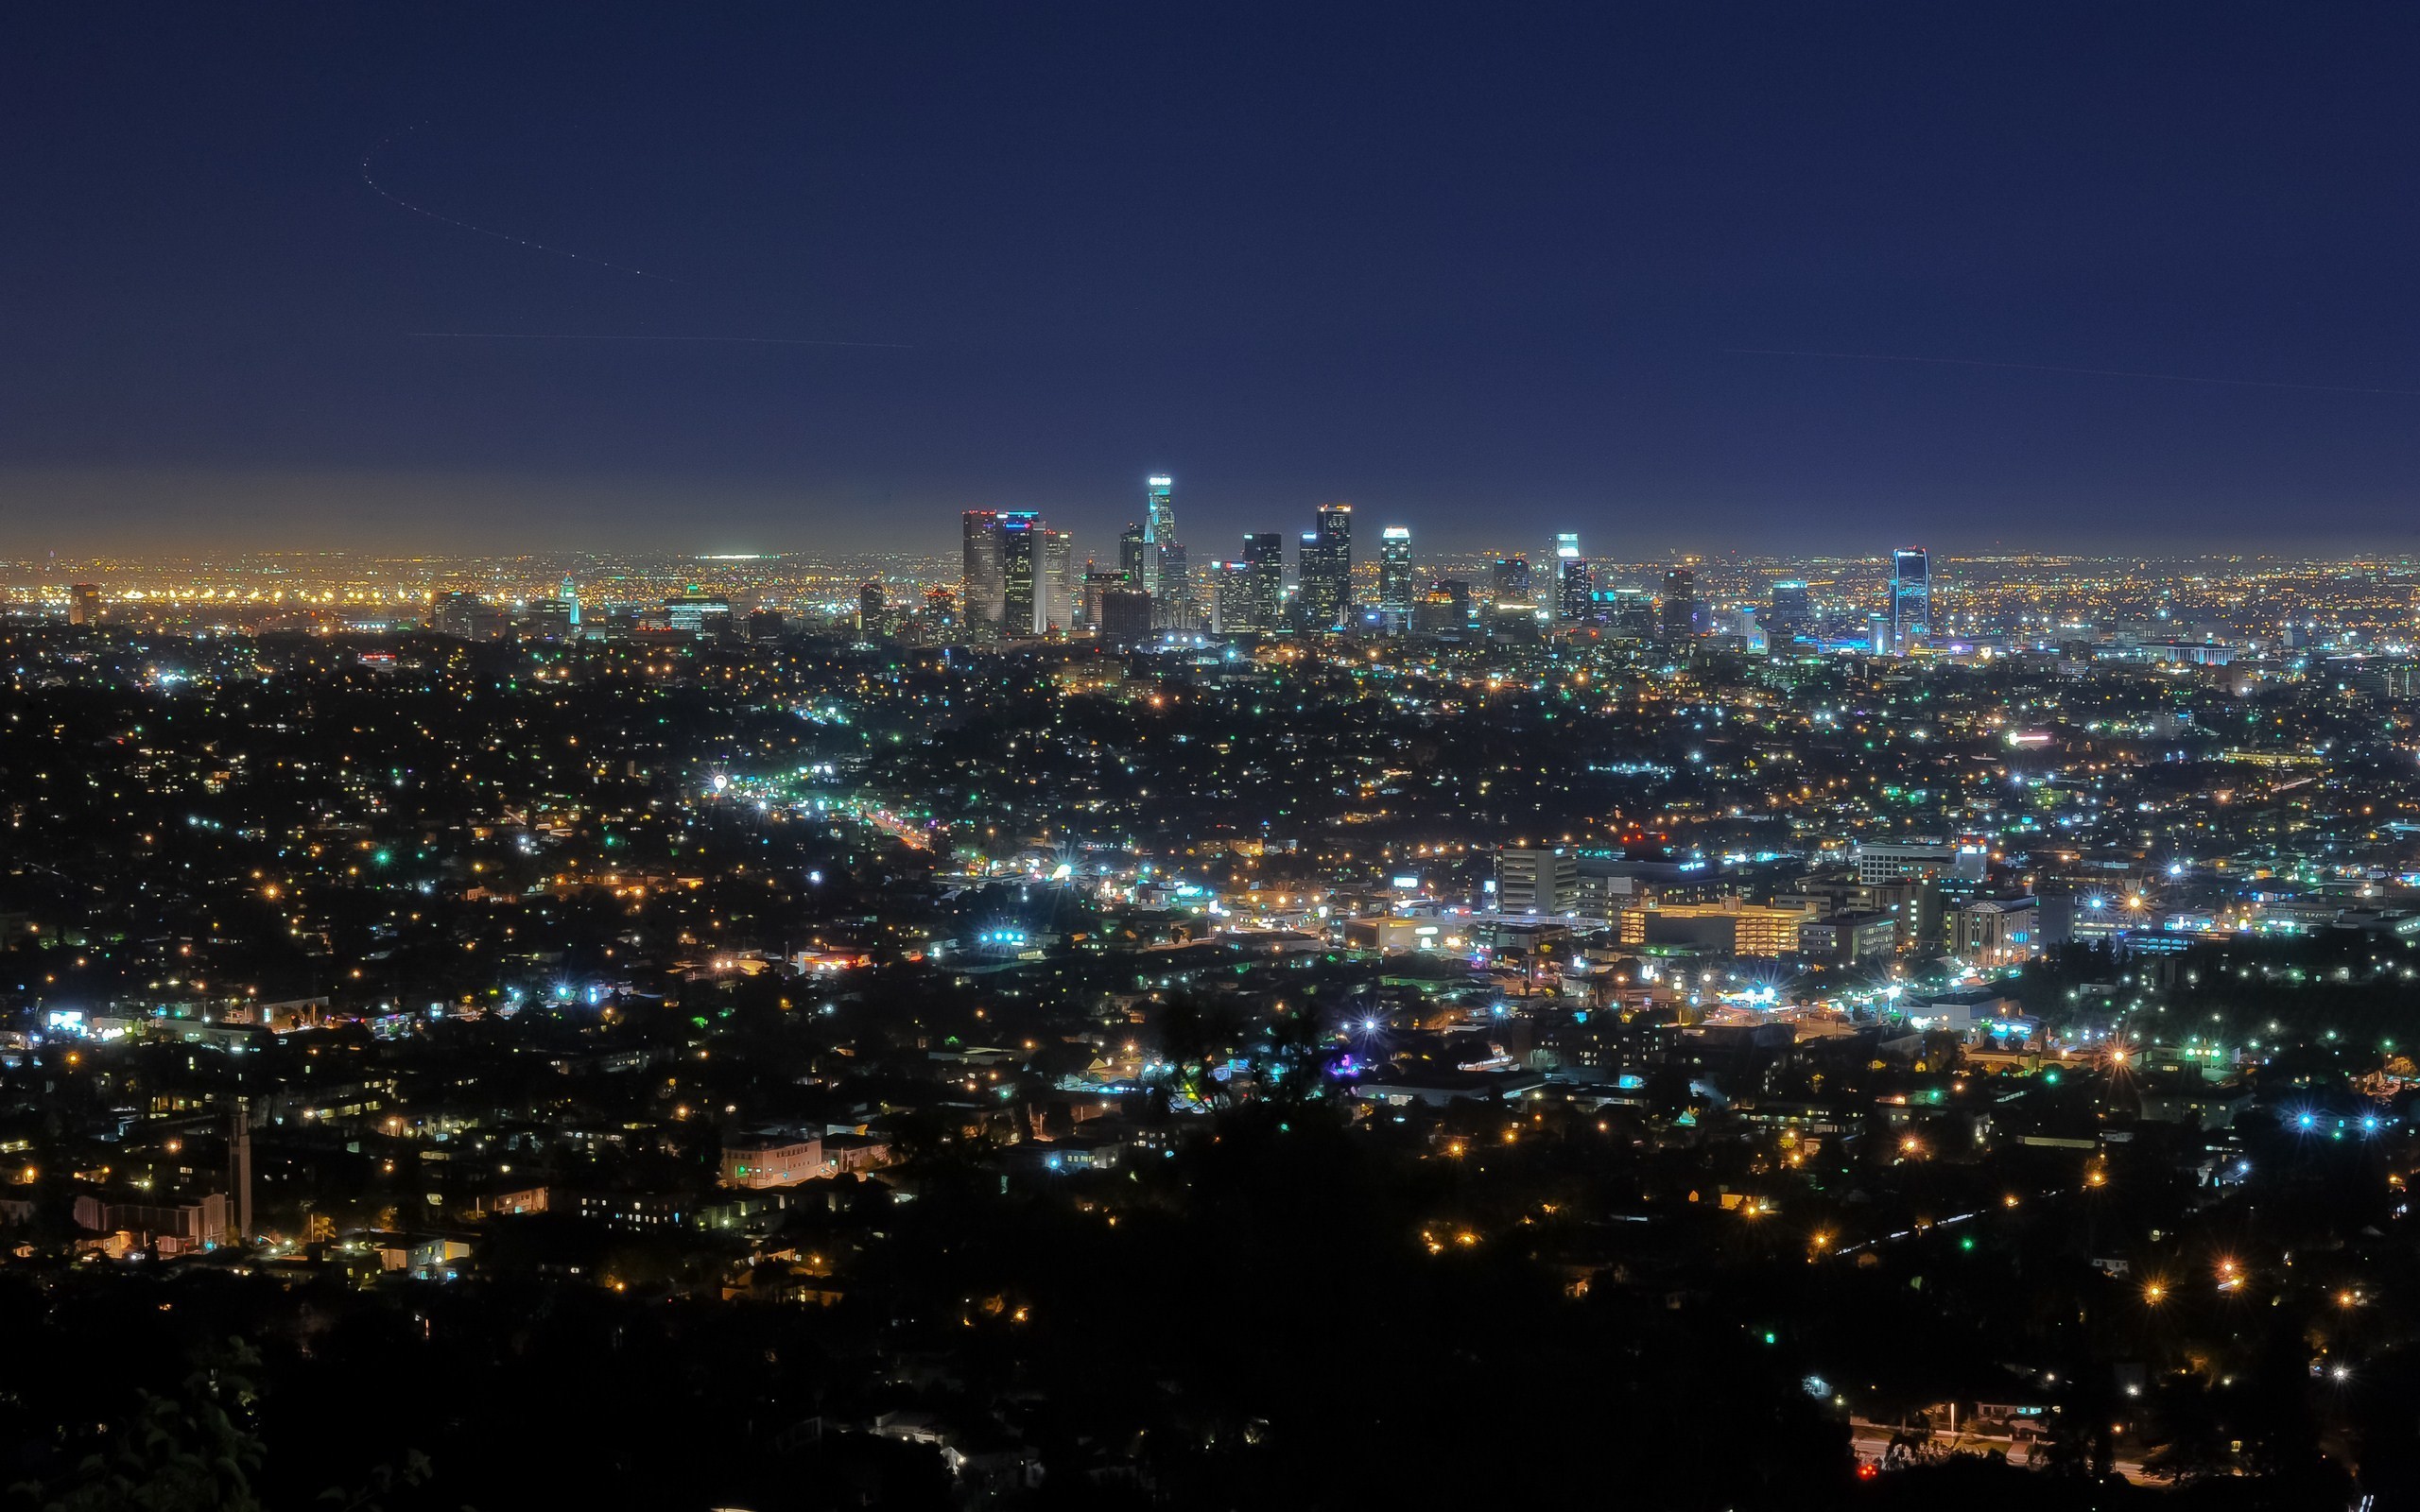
column 1487, row 271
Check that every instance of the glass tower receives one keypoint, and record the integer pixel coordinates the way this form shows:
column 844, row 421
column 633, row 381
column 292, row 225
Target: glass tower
column 1159, row 528
column 1394, row 570
column 1020, row 571
column 1911, row 596
column 1326, row 568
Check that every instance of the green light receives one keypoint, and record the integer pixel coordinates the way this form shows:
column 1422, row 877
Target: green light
column 1771, row 1338
column 1967, row 1243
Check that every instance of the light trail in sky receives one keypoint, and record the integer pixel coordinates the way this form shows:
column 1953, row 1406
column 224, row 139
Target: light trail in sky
column 2093, row 372
column 554, row 336
column 390, row 196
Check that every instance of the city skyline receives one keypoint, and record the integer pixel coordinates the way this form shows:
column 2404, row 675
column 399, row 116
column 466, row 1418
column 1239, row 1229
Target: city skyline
column 1097, row 758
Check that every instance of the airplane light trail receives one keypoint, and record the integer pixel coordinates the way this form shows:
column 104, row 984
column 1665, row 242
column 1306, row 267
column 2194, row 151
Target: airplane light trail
column 2095, row 372
column 558, row 335
column 384, row 193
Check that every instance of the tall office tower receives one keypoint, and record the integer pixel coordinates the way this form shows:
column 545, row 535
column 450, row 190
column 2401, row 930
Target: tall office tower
column 1787, row 613
column 1095, row 584
column 940, row 612
column 1232, row 607
column 1055, row 604
column 570, row 595
column 1633, row 612
column 1444, row 611
column 1911, row 596
column 1877, row 634
column 983, row 579
column 1133, row 546
column 1510, row 579
column 1394, row 569
column 84, row 603
column 1173, row 607
column 1020, row 573
column 1159, row 532
column 1536, row 881
column 1265, row 558
column 1573, row 583
column 1326, row 568
column 872, row 614
column 1680, row 610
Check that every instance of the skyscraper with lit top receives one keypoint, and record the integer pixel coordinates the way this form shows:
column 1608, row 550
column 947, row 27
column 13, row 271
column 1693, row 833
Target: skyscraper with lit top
column 1326, row 568
column 1911, row 596
column 1394, row 570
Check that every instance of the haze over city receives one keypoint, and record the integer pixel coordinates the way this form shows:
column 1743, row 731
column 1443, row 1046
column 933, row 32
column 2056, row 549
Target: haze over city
column 1704, row 278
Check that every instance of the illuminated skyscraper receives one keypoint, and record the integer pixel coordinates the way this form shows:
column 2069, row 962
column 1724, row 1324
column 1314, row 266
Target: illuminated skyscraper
column 1133, row 545
column 1173, row 607
column 570, row 597
column 1394, row 570
column 1020, row 571
column 1231, row 597
column 1326, row 568
column 1095, row 584
column 1679, row 620
column 1055, row 602
column 1159, row 530
column 983, row 574
column 83, row 604
column 1789, row 612
column 1265, row 558
column 1573, row 583
column 1510, row 579
column 1911, row 596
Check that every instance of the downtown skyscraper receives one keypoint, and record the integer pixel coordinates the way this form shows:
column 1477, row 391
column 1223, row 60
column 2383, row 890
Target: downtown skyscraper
column 1159, row 530
column 1264, row 562
column 1324, row 568
column 1394, row 570
column 1015, row 574
column 1911, row 596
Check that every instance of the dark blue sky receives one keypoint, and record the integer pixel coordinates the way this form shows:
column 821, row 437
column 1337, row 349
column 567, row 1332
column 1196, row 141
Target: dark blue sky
column 1478, row 270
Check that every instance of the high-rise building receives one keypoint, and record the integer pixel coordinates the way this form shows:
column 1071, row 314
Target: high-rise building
column 1020, row 573
column 874, row 613
column 1509, row 579
column 467, row 615
column 1125, row 617
column 1910, row 597
column 1787, row 613
column 1443, row 611
column 1159, row 532
column 1394, row 570
column 983, row 577
column 1173, row 606
column 1232, row 609
column 1265, row 558
column 1537, row 880
column 1055, row 605
column 1574, row 584
column 1133, row 545
column 1095, row 584
column 1631, row 611
column 1679, row 620
column 1326, row 568
column 570, row 595
column 84, row 603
